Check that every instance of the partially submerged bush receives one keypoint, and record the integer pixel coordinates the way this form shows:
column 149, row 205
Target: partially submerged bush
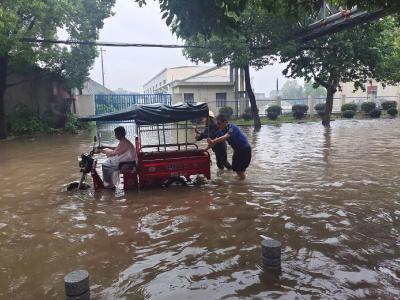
column 367, row 107
column 272, row 115
column 349, row 106
column 375, row 113
column 348, row 114
column 388, row 104
column 23, row 120
column 274, row 109
column 247, row 115
column 392, row 111
column 320, row 109
column 227, row 111
column 73, row 125
column 299, row 110
column 273, row 112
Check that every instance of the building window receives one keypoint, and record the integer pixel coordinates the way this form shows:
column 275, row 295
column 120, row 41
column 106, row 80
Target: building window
column 164, row 81
column 188, row 97
column 221, row 99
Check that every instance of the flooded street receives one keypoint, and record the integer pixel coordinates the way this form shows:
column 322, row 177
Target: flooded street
column 331, row 197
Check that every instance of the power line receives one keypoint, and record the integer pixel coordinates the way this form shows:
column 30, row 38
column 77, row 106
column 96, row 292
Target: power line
column 108, row 44
column 332, row 24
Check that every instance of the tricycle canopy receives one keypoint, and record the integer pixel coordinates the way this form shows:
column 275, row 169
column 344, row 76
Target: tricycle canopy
column 154, row 113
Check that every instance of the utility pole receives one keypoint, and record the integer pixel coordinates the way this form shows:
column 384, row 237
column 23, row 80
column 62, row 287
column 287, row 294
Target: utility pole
column 102, row 65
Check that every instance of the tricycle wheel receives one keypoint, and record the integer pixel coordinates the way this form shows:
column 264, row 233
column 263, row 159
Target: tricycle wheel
column 175, row 181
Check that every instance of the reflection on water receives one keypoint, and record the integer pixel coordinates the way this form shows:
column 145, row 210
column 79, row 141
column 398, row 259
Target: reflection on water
column 331, row 198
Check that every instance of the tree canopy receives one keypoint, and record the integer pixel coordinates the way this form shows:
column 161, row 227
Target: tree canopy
column 247, row 45
column 291, row 89
column 255, row 32
column 80, row 19
column 210, row 16
column 311, row 90
column 354, row 55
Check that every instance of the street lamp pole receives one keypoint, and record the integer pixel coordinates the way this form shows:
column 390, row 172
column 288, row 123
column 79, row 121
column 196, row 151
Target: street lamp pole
column 102, row 65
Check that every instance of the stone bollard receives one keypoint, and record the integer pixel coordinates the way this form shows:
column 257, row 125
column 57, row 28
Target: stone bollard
column 77, row 285
column 271, row 253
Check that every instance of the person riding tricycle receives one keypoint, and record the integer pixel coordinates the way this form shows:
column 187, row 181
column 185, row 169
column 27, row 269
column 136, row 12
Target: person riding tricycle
column 151, row 165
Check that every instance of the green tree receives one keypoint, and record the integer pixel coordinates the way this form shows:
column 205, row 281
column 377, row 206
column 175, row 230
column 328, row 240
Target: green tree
column 20, row 19
column 210, row 16
column 311, row 90
column 389, row 68
column 253, row 31
column 292, row 90
column 241, row 47
column 353, row 55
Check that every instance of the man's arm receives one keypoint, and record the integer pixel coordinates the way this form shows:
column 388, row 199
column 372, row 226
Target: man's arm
column 201, row 135
column 219, row 139
column 104, row 147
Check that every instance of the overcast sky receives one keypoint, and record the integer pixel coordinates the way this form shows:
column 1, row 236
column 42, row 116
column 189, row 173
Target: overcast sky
column 130, row 68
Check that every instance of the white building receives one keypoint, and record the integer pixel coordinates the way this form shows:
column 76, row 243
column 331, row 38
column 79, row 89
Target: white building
column 84, row 103
column 214, row 85
column 374, row 91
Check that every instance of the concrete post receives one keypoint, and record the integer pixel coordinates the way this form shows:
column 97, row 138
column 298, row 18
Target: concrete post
column 373, row 99
column 311, row 104
column 398, row 100
column 343, row 100
column 77, row 285
column 278, row 101
column 242, row 92
column 236, row 90
column 271, row 253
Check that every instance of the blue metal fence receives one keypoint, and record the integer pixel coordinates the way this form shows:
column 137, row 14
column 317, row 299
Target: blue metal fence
column 115, row 102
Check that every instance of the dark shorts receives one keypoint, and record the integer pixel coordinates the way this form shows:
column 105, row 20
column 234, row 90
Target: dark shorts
column 241, row 159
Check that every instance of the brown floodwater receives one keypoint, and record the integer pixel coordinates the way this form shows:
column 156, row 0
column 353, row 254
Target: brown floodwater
column 332, row 197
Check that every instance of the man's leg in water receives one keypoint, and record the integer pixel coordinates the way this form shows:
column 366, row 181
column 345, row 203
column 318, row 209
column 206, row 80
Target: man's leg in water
column 240, row 161
column 242, row 175
column 222, row 159
column 219, row 156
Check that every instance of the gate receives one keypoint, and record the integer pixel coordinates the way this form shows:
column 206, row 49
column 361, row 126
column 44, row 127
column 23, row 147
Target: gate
column 116, row 102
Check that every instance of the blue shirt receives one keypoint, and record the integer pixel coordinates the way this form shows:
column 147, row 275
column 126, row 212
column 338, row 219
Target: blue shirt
column 236, row 139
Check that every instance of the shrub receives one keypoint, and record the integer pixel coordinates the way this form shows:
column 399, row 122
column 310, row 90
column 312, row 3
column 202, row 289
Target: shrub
column 299, row 110
column 375, row 113
column 51, row 119
column 348, row 114
column 272, row 115
column 392, row 111
column 274, row 109
column 227, row 111
column 23, row 120
column 73, row 125
column 367, row 107
column 273, row 112
column 349, row 106
column 388, row 104
column 320, row 109
column 247, row 114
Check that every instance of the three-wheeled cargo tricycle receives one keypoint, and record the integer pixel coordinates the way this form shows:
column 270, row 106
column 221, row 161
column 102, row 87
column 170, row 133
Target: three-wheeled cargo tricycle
column 161, row 163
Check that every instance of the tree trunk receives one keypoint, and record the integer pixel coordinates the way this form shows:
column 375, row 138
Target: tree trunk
column 326, row 120
column 3, row 87
column 253, row 103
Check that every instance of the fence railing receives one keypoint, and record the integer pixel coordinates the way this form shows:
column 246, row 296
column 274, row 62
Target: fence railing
column 114, row 102
column 239, row 106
